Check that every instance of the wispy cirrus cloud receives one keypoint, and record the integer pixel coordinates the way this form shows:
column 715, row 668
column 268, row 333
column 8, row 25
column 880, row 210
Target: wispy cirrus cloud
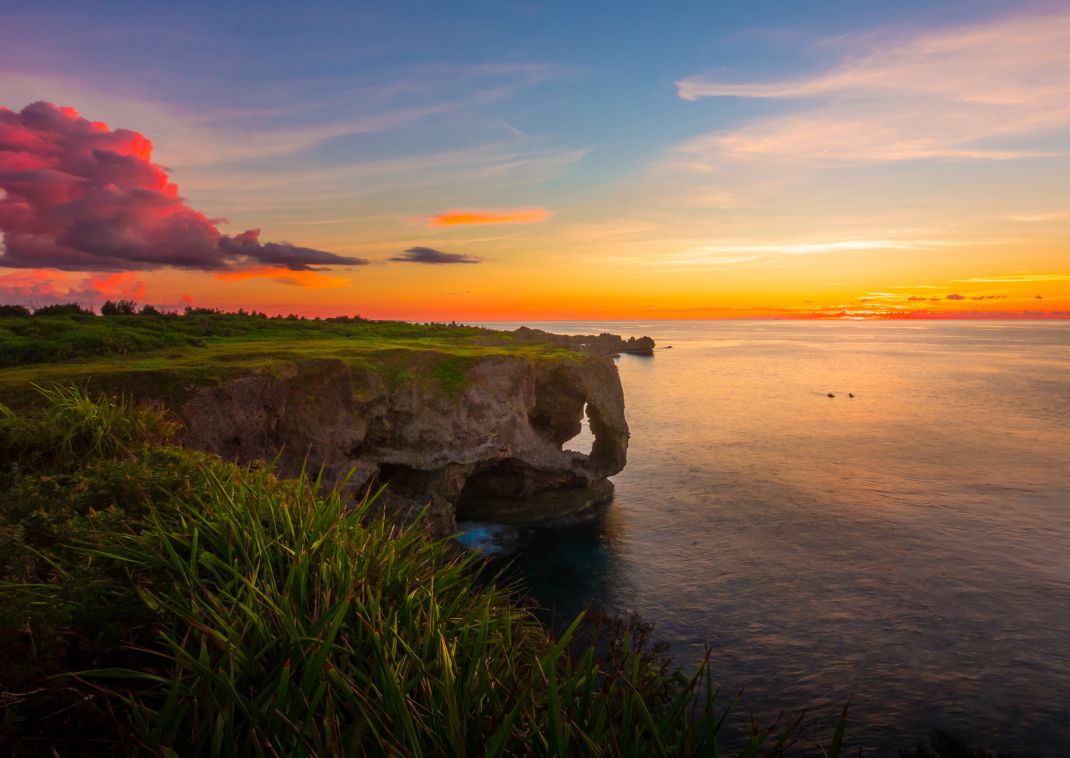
column 272, row 119
column 498, row 216
column 827, row 246
column 442, row 173
column 733, row 252
column 1017, row 278
column 297, row 146
column 1037, row 218
column 746, row 252
column 966, row 92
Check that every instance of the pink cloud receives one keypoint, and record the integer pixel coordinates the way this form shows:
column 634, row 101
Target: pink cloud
column 113, row 286
column 80, row 196
column 40, row 287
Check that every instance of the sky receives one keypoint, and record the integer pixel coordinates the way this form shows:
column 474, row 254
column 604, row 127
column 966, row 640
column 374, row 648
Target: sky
column 539, row 160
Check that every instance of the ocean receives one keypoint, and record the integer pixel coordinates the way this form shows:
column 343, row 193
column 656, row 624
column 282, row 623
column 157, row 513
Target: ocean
column 907, row 548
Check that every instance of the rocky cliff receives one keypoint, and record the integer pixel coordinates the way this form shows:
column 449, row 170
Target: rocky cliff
column 488, row 447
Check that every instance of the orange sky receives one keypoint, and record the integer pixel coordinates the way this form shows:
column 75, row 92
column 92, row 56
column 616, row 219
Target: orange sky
column 910, row 168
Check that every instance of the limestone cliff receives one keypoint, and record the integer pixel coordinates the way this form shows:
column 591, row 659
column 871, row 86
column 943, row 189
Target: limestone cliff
column 490, row 448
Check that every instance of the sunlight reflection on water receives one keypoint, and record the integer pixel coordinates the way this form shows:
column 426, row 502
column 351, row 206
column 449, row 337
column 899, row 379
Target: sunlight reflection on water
column 908, row 547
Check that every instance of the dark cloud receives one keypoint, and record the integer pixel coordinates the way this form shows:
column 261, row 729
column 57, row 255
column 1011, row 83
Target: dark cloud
column 956, row 296
column 1039, row 297
column 989, row 297
column 248, row 245
column 80, row 196
column 916, row 299
column 430, row 255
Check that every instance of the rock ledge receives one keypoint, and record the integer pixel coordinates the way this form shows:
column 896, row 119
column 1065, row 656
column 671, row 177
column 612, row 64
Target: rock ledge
column 492, row 450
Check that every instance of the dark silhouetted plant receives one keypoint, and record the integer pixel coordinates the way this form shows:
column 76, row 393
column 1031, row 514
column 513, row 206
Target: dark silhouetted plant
column 118, row 308
column 62, row 309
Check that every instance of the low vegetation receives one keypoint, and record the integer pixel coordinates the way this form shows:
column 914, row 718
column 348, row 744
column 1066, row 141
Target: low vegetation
column 159, row 600
column 170, row 353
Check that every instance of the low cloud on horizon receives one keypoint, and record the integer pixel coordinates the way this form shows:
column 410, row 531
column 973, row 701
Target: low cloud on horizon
column 431, row 255
column 37, row 288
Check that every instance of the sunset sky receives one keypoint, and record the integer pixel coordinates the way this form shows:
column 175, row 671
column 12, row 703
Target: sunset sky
column 529, row 160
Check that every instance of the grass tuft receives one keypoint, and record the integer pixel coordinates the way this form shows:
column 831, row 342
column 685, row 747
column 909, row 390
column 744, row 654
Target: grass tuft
column 69, row 426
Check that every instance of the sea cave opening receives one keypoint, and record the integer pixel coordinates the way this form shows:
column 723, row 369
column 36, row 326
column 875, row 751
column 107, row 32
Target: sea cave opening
column 583, row 440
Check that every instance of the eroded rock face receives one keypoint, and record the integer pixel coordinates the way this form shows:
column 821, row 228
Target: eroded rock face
column 492, row 450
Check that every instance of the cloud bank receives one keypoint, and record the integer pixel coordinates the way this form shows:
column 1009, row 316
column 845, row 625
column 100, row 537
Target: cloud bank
column 430, row 255
column 79, row 196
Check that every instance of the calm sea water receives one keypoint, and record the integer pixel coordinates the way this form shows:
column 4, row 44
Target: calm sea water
column 908, row 548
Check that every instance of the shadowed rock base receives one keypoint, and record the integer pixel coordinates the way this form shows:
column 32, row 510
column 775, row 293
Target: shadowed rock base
column 545, row 508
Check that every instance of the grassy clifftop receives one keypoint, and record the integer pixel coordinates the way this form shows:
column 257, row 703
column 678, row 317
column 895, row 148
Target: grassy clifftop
column 169, row 352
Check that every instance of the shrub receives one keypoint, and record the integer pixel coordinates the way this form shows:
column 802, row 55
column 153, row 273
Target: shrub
column 62, row 309
column 71, row 427
column 118, row 308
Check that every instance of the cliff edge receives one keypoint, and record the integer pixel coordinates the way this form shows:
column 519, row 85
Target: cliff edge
column 489, row 447
column 468, row 420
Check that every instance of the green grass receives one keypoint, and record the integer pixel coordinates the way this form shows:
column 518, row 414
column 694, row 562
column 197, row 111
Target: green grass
column 52, row 338
column 72, row 424
column 170, row 356
column 164, row 601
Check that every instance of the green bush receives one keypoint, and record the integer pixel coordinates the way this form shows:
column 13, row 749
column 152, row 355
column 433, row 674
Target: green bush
column 71, row 426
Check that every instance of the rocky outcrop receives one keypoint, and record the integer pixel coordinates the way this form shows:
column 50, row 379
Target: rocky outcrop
column 594, row 344
column 490, row 450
